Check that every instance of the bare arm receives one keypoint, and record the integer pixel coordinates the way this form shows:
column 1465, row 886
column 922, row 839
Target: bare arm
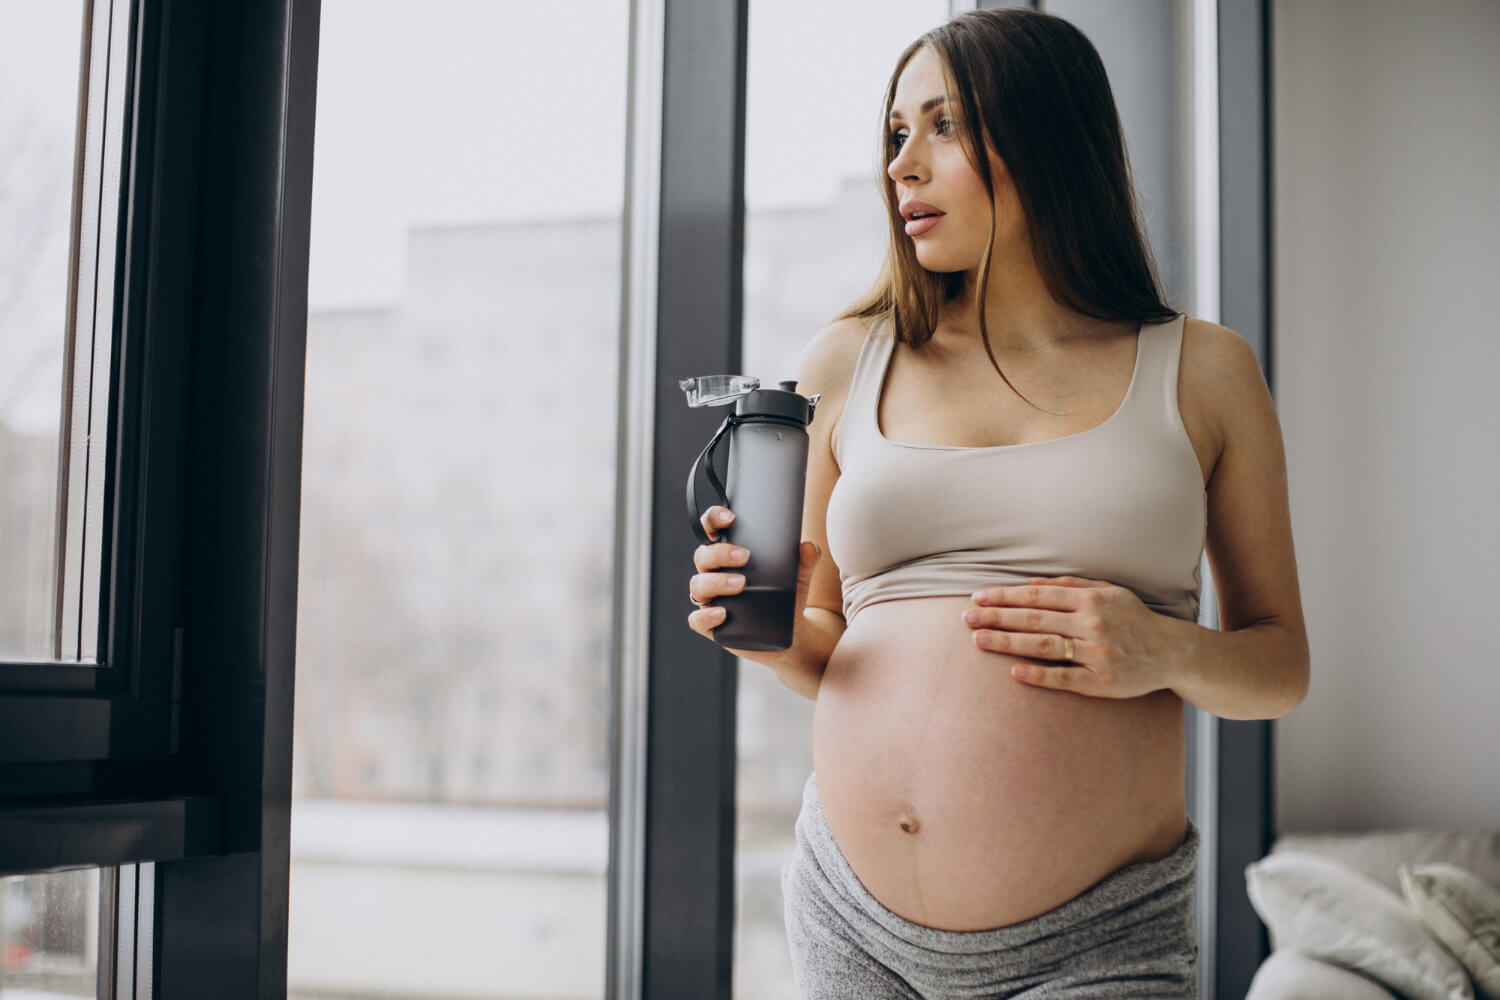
column 1257, row 665
column 818, row 633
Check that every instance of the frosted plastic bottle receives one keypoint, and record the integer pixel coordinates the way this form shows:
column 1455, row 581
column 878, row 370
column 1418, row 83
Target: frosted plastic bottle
column 767, row 436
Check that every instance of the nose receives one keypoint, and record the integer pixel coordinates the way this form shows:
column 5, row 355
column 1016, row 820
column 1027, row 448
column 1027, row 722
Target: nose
column 904, row 165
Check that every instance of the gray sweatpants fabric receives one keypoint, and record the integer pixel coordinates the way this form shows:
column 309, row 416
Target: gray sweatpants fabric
column 1131, row 935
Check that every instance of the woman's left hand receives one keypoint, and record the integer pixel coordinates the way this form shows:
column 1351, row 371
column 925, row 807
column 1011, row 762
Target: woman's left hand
column 1120, row 647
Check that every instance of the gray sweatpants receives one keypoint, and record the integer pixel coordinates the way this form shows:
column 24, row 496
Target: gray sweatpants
column 1129, row 935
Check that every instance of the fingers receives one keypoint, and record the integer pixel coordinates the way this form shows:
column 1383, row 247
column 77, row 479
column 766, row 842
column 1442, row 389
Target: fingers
column 1068, row 597
column 1041, row 647
column 704, row 587
column 719, row 555
column 1076, row 679
column 705, row 620
column 1022, row 620
column 714, row 518
column 808, row 555
column 716, row 554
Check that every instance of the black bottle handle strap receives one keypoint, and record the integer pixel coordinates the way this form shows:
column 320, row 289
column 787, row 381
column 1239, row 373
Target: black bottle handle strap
column 707, row 455
column 706, row 460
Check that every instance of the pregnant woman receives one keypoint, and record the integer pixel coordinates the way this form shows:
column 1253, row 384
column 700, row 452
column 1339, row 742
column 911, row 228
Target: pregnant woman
column 1020, row 455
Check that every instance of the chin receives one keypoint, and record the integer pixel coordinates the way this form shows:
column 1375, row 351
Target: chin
column 941, row 263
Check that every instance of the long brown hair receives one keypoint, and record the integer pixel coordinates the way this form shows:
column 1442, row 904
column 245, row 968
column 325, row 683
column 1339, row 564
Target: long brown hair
column 1036, row 88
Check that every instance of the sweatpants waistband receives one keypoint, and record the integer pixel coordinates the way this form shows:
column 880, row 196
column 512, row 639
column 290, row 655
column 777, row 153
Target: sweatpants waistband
column 1139, row 917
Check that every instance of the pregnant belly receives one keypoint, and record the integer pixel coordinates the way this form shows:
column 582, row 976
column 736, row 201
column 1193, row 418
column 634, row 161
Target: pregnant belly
column 964, row 799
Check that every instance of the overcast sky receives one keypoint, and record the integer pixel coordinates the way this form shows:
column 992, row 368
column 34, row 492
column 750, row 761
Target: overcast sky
column 462, row 111
column 40, row 44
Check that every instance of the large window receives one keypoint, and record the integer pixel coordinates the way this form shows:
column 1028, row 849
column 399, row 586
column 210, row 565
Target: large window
column 450, row 769
column 39, row 70
column 61, row 96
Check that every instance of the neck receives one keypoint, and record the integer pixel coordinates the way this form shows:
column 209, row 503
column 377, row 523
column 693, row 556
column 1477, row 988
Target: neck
column 1020, row 314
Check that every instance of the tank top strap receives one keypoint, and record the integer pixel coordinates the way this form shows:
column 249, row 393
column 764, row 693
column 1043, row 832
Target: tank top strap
column 1161, row 353
column 857, row 422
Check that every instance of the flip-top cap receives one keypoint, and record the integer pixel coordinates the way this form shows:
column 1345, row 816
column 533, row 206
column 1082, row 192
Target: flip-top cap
column 716, row 390
column 783, row 401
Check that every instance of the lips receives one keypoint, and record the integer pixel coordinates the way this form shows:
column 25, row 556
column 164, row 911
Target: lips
column 917, row 227
column 911, row 210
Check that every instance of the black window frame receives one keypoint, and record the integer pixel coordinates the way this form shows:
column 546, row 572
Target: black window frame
column 118, row 709
column 172, row 758
column 1245, row 799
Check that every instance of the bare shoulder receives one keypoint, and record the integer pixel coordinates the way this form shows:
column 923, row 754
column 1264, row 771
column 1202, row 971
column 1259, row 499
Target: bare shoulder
column 1216, row 350
column 1221, row 383
column 827, row 368
column 827, row 362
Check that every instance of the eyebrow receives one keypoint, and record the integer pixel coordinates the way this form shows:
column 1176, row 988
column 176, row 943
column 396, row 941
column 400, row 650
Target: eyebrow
column 927, row 106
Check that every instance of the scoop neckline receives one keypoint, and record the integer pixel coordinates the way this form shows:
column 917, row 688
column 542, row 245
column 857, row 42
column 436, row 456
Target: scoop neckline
column 885, row 368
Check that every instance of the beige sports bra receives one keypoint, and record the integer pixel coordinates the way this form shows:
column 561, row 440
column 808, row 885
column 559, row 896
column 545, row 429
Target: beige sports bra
column 1122, row 501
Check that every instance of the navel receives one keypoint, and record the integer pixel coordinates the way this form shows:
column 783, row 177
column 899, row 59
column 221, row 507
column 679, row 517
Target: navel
column 909, row 823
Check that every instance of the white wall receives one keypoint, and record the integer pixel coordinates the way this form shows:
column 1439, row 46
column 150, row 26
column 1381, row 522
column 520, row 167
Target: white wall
column 1387, row 366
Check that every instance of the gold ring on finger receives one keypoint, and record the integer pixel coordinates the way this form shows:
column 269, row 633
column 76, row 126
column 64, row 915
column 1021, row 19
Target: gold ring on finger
column 1067, row 647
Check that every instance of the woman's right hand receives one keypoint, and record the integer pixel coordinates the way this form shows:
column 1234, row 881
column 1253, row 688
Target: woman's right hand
column 717, row 563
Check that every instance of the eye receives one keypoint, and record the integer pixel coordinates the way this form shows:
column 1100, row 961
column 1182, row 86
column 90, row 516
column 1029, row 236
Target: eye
column 943, row 125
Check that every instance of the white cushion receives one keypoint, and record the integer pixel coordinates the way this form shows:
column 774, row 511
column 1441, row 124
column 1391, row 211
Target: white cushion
column 1291, row 975
column 1324, row 910
column 1377, row 855
column 1463, row 911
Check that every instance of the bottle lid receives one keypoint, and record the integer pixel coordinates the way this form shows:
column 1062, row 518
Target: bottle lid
column 783, row 401
column 716, row 390
column 749, row 398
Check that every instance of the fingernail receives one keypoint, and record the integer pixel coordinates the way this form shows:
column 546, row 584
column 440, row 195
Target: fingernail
column 715, row 612
column 972, row 617
column 735, row 580
column 738, row 553
column 725, row 517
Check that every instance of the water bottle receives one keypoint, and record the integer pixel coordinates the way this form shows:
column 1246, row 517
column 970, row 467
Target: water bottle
column 767, row 439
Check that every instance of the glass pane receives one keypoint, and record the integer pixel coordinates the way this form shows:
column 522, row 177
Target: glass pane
column 49, row 935
column 449, row 827
column 815, row 237
column 39, row 122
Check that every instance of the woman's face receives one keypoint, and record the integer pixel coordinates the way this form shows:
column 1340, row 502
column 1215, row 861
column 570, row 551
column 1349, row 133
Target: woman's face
column 930, row 166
